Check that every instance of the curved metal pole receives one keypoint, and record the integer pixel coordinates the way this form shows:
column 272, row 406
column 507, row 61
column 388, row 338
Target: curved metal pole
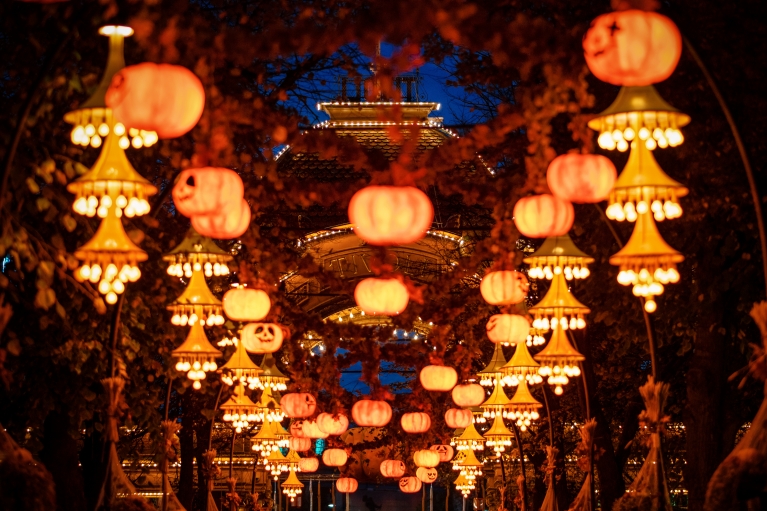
column 115, row 334
column 213, row 420
column 741, row 149
column 548, row 414
column 521, row 465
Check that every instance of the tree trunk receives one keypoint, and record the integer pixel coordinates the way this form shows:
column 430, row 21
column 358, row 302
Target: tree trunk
column 60, row 457
column 202, row 432
column 93, row 460
column 186, row 479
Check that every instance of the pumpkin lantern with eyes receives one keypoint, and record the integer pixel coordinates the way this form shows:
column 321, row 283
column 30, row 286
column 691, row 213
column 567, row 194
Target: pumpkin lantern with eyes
column 262, row 338
column 426, row 475
column 445, row 452
column 297, row 429
column 298, row 405
column 410, row 485
column 207, row 191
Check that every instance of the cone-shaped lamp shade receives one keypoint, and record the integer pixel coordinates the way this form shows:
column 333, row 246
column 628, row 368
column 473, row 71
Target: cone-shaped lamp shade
column 239, row 410
column 197, row 252
column 521, row 366
column 240, row 368
column 492, row 372
column 561, row 304
column 498, row 437
column 558, row 254
column 559, row 361
column 270, row 375
column 196, row 356
column 196, row 303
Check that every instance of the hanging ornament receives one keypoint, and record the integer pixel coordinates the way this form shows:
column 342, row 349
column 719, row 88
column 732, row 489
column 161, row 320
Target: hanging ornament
column 496, row 404
column 581, row 178
column 459, row 457
column 647, row 262
column 309, row 464
column 468, row 395
column 386, row 296
column 498, row 437
column 438, row 378
column 390, row 215
column 298, row 405
column 271, row 376
column 392, row 468
column 469, row 439
column 463, row 485
column 643, row 187
column 559, row 361
column 240, row 368
column 262, row 338
column 245, row 304
column 492, row 374
column 505, row 287
column 558, row 254
column 239, row 409
column 410, row 484
column 415, row 422
column 346, row 484
column 541, row 216
column 196, row 355
column 458, row 418
column 197, row 253
column 470, row 466
column 445, row 452
column 196, row 304
column 292, row 487
column 110, row 258
column 477, row 415
column 293, row 461
column 371, row 413
column 508, row 329
column 559, row 308
column 639, row 113
column 93, row 120
column 333, row 424
column 521, row 366
column 270, row 437
column 269, row 406
column 335, row 457
column 523, row 407
column 276, row 464
column 427, row 475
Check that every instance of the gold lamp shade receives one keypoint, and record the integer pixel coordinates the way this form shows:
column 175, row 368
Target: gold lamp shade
column 497, row 404
column 492, row 372
column 558, row 254
column 196, row 304
column 643, row 187
column 239, row 409
column 292, row 487
column 647, row 262
column 470, row 466
column 92, row 121
column 639, row 113
column 240, row 368
column 478, row 415
column 559, row 361
column 558, row 308
column 266, row 440
column 276, row 464
column 469, row 440
column 292, row 459
column 196, row 355
column 523, row 407
column 521, row 366
column 111, row 182
column 463, row 485
column 271, row 376
column 197, row 253
column 269, row 406
column 498, row 437
column 110, row 258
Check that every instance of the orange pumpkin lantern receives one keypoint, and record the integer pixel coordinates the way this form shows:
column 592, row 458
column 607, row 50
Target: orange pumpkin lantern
column 458, row 418
column 438, row 378
column 346, row 484
column 508, row 329
column 426, row 458
column 207, row 191
column 311, row 430
column 163, row 98
column 445, row 452
column 581, row 178
column 262, row 338
column 426, row 475
column 390, row 215
column 416, row 422
column 505, row 287
column 332, row 424
column 392, row 468
column 372, row 413
column 300, row 444
column 245, row 304
column 334, row 457
column 632, row 47
column 468, row 395
column 381, row 296
column 298, row 405
column 410, row 485
column 225, row 226
column 297, row 429
column 541, row 216
column 309, row 464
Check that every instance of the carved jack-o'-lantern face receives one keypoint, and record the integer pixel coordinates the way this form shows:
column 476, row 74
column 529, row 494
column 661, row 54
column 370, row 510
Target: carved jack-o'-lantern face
column 426, row 475
column 410, row 485
column 445, row 452
column 207, row 191
column 262, row 337
column 299, row 404
column 297, row 429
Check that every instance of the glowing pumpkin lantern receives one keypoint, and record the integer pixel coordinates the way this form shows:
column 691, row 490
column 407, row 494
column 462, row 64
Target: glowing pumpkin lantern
column 346, row 484
column 508, row 329
column 458, row 418
column 426, row 458
column 309, row 464
column 298, row 405
column 372, row 413
column 297, row 429
column 505, row 287
column 381, row 296
column 224, row 226
column 334, row 457
column 392, row 468
column 416, row 422
column 300, row 444
column 163, row 98
column 410, row 485
column 426, row 475
column 390, row 215
column 207, row 191
column 581, row 178
column 262, row 338
column 445, row 452
column 245, row 304
column 541, row 216
column 468, row 395
column 438, row 378
column 332, row 424
column 632, row 47
column 311, row 430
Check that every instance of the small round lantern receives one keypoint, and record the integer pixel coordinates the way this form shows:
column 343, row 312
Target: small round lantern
column 505, row 287
column 309, row 464
column 298, row 405
column 416, row 422
column 426, row 475
column 311, row 430
column 372, row 413
column 468, row 395
column 225, row 226
column 410, row 485
column 381, row 296
column 332, row 424
column 390, row 215
column 581, row 178
column 392, row 468
column 334, row 457
column 541, row 216
column 438, row 378
column 300, row 444
column 207, row 191
column 426, row 458
column 458, row 418
column 245, row 304
column 262, row 338
column 508, row 329
column 346, row 484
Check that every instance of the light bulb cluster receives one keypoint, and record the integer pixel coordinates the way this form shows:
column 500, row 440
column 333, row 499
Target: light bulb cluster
column 209, row 315
column 655, row 129
column 195, row 367
column 540, row 269
column 471, row 472
column 647, row 280
column 465, row 487
column 273, row 383
column 571, row 321
column 512, row 380
column 559, row 373
column 95, row 198
column 242, row 420
column 91, row 126
column 535, row 338
column 490, row 380
column 291, row 492
column 111, row 280
column 463, row 445
column 498, row 444
column 524, row 417
column 265, row 446
column 250, row 381
column 631, row 209
column 208, row 268
column 276, row 468
column 272, row 415
column 478, row 418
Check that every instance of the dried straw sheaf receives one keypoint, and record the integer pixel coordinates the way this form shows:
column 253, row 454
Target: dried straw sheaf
column 550, row 500
column 582, row 501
